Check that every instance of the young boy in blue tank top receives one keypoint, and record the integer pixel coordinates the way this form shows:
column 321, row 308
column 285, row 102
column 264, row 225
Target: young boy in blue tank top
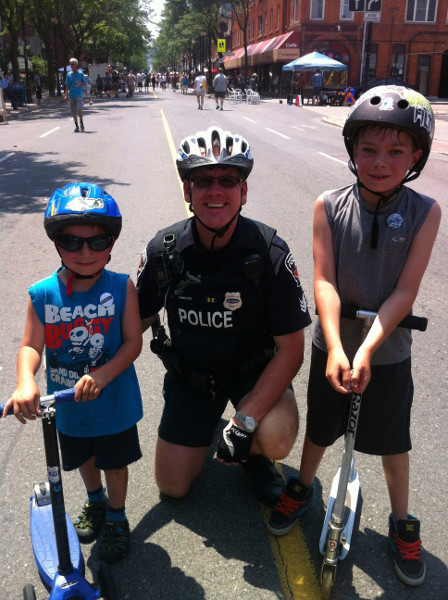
column 372, row 242
column 87, row 320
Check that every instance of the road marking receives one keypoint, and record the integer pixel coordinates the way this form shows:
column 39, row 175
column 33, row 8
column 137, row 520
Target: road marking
column 293, row 563
column 7, row 156
column 251, row 120
column 173, row 152
column 48, row 132
column 343, row 162
column 278, row 133
column 298, row 128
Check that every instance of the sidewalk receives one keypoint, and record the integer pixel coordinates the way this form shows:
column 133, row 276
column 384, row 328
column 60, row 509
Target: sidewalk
column 336, row 115
column 22, row 111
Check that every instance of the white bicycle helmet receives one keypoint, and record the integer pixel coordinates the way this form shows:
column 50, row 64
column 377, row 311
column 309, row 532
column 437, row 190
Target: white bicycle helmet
column 212, row 148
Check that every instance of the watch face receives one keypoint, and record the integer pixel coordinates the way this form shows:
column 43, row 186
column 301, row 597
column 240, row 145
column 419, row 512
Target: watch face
column 250, row 424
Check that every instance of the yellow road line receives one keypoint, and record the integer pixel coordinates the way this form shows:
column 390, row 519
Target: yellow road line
column 292, row 558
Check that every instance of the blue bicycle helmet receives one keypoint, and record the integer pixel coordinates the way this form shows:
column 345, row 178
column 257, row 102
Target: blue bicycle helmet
column 82, row 204
column 214, row 148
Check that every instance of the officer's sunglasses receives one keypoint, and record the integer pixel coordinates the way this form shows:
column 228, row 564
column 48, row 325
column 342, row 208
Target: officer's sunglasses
column 205, row 181
column 73, row 243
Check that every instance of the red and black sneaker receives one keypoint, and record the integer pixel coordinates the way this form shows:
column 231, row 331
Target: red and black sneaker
column 294, row 501
column 404, row 537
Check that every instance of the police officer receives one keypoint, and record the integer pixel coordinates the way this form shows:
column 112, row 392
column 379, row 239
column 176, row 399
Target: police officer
column 236, row 313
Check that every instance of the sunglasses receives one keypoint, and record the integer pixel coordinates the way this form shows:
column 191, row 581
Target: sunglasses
column 206, row 181
column 73, row 243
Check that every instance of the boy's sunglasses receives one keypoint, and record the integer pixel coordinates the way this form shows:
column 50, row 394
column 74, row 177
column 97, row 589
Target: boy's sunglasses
column 206, row 181
column 73, row 243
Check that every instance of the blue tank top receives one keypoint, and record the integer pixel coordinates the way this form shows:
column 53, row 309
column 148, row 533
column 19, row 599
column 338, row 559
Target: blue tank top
column 82, row 333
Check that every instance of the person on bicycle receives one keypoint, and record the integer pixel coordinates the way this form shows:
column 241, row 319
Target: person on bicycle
column 236, row 313
column 86, row 318
column 372, row 242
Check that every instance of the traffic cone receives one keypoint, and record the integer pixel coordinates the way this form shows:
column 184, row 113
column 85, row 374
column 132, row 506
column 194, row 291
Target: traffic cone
column 298, row 100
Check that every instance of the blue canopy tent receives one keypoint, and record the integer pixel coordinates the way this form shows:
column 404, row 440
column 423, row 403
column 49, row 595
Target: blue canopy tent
column 313, row 61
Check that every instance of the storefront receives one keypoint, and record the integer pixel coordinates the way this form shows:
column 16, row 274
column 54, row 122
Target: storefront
column 266, row 58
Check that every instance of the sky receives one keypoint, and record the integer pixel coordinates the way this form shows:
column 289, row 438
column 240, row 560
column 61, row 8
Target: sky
column 157, row 7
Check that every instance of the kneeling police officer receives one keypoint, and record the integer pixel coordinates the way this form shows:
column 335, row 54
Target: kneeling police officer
column 236, row 313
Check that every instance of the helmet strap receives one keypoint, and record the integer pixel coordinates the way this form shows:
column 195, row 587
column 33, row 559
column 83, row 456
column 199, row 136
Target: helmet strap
column 383, row 199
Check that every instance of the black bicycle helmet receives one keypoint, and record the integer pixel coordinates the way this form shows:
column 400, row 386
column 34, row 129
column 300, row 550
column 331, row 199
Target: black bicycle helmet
column 397, row 107
column 212, row 148
column 82, row 204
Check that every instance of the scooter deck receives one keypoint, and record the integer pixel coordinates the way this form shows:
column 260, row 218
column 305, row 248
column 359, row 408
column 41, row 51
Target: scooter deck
column 44, row 542
column 353, row 490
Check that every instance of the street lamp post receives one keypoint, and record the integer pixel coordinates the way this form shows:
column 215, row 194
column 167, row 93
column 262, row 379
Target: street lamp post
column 29, row 99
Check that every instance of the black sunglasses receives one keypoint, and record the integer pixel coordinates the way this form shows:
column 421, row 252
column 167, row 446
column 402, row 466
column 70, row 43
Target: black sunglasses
column 206, row 181
column 73, row 243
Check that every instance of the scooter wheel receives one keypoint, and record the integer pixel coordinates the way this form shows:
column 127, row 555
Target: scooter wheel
column 107, row 585
column 326, row 581
column 29, row 592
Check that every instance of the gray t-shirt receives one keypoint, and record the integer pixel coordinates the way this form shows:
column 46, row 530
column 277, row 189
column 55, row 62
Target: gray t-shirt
column 366, row 277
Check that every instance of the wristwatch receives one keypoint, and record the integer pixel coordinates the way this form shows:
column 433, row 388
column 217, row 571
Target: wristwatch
column 249, row 423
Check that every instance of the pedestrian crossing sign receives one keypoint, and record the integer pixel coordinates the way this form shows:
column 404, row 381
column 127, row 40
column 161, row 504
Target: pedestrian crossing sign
column 221, row 45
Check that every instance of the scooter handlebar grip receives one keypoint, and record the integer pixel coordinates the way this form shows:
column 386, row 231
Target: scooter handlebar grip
column 411, row 322
column 64, row 395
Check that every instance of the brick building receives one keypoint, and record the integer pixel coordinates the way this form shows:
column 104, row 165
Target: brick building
column 406, row 40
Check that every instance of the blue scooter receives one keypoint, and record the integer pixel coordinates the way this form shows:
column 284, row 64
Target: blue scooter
column 56, row 547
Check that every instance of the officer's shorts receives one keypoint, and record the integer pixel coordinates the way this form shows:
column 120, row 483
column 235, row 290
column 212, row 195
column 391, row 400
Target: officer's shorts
column 190, row 417
column 110, row 451
column 384, row 421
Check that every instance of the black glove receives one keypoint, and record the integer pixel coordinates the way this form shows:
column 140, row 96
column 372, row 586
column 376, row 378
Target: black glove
column 234, row 445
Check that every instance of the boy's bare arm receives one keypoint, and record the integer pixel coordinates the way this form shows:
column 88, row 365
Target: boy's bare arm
column 327, row 299
column 90, row 386
column 25, row 398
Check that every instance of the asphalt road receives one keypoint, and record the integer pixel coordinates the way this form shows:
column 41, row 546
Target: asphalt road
column 213, row 544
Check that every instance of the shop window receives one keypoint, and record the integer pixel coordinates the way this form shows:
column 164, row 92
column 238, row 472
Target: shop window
column 397, row 63
column 421, row 11
column 339, row 52
column 371, row 60
column 345, row 14
column 317, row 9
column 423, row 70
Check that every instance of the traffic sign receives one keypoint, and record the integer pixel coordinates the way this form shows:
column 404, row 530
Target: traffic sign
column 356, row 5
column 372, row 17
column 373, row 6
column 221, row 45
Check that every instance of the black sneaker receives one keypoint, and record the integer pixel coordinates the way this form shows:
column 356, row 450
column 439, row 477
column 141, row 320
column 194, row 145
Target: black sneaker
column 82, row 126
column 404, row 537
column 76, row 129
column 115, row 543
column 267, row 483
column 294, row 501
column 217, row 107
column 88, row 524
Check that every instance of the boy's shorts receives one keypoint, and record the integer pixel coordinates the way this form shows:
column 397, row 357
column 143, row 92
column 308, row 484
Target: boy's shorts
column 114, row 451
column 191, row 417
column 384, row 421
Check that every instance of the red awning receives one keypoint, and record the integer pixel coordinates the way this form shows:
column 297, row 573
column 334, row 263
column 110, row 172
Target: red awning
column 283, row 47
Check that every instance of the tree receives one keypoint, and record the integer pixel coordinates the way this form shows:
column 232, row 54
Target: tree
column 240, row 11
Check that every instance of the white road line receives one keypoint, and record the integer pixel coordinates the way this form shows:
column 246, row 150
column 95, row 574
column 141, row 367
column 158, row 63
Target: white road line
column 298, row 128
column 278, row 133
column 343, row 162
column 7, row 156
column 251, row 120
column 48, row 132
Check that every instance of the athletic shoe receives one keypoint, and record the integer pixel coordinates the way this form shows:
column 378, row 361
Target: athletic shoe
column 404, row 537
column 88, row 524
column 76, row 129
column 217, row 107
column 82, row 126
column 294, row 501
column 222, row 109
column 267, row 483
column 115, row 543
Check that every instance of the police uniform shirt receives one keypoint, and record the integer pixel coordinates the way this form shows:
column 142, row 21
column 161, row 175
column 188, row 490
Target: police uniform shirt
column 216, row 311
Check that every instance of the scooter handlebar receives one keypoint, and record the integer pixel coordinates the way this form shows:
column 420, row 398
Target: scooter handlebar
column 409, row 322
column 57, row 398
